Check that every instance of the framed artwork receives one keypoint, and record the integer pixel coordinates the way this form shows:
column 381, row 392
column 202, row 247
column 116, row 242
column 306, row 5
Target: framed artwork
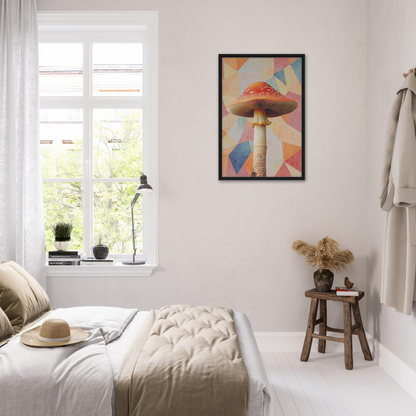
column 262, row 117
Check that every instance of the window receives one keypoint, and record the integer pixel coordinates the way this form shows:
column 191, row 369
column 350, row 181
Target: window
column 98, row 127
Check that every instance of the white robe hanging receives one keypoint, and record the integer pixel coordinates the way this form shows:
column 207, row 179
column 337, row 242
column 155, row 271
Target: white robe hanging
column 399, row 199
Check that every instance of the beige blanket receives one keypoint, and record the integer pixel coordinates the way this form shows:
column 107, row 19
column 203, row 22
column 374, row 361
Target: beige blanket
column 184, row 361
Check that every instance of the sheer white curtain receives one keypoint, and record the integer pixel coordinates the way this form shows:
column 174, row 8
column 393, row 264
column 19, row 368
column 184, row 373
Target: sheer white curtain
column 21, row 211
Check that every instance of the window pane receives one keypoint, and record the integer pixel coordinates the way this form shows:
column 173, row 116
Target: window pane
column 60, row 69
column 112, row 216
column 61, row 143
column 117, row 69
column 118, row 144
column 62, row 202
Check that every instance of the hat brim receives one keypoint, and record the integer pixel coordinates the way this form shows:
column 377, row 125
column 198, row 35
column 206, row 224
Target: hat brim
column 31, row 338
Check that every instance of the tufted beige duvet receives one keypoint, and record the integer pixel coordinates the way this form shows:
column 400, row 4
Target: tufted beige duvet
column 184, row 361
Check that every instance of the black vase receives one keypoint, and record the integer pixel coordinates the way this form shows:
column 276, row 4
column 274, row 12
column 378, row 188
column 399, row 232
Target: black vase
column 323, row 280
column 100, row 252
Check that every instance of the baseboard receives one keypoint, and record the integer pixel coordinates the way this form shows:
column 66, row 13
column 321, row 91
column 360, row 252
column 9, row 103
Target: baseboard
column 400, row 372
column 390, row 363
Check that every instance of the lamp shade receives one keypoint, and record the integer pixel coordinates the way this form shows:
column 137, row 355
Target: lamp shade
column 144, row 187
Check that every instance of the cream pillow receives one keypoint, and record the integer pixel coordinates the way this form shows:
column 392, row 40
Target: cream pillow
column 6, row 329
column 22, row 298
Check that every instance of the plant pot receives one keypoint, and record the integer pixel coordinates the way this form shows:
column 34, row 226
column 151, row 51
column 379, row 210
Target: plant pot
column 323, row 280
column 100, row 252
column 62, row 245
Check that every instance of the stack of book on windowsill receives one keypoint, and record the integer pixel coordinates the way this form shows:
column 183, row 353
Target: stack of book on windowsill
column 93, row 262
column 344, row 291
column 64, row 258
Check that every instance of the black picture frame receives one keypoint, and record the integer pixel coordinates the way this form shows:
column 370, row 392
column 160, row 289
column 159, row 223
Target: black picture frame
column 221, row 57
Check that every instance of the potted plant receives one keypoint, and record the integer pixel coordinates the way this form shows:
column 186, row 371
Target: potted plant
column 62, row 232
column 327, row 256
column 100, row 250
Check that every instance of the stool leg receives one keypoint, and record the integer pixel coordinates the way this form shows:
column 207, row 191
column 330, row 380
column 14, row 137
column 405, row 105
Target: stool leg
column 347, row 336
column 309, row 331
column 361, row 333
column 322, row 325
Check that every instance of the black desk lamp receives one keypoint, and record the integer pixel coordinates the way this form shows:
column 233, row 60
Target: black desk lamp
column 143, row 188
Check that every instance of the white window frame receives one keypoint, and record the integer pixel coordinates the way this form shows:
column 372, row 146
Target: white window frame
column 123, row 27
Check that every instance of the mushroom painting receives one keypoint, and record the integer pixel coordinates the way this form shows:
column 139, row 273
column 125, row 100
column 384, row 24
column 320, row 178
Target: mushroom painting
column 262, row 117
column 260, row 101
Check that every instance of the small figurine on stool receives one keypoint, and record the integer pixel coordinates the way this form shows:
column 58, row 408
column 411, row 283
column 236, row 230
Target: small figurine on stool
column 347, row 283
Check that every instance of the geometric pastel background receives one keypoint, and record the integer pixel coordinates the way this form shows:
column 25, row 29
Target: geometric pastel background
column 284, row 135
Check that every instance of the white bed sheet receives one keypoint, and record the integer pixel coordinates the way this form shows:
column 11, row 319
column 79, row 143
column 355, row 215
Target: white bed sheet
column 260, row 400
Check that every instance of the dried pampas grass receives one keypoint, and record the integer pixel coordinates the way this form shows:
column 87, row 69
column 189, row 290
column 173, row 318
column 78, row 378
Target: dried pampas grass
column 326, row 255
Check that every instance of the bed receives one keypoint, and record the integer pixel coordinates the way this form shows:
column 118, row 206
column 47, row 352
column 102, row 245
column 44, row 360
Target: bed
column 179, row 360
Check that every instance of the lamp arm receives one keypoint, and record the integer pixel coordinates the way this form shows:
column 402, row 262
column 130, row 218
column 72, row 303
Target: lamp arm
column 133, row 203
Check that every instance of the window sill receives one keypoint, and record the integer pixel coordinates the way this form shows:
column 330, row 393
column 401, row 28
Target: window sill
column 118, row 270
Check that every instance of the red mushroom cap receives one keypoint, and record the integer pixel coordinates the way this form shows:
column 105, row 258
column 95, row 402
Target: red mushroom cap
column 261, row 95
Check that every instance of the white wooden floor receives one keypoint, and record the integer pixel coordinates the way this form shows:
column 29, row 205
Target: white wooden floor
column 323, row 387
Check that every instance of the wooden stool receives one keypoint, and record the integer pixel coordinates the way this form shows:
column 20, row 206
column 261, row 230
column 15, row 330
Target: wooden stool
column 348, row 331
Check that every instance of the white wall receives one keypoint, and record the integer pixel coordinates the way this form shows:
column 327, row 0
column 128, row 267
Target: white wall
column 391, row 51
column 228, row 243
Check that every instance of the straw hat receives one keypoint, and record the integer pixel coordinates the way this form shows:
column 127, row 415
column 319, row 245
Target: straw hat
column 53, row 333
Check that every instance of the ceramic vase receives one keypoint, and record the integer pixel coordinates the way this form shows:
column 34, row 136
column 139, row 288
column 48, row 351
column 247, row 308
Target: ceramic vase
column 323, row 280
